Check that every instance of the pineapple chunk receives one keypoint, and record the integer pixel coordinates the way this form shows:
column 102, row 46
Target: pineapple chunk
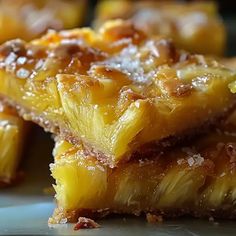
column 116, row 90
column 28, row 19
column 195, row 27
column 12, row 132
column 199, row 180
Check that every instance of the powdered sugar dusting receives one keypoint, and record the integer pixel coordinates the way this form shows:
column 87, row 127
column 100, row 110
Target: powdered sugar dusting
column 195, row 160
column 128, row 62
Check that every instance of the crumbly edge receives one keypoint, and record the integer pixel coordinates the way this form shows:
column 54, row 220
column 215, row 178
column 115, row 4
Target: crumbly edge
column 150, row 149
column 61, row 216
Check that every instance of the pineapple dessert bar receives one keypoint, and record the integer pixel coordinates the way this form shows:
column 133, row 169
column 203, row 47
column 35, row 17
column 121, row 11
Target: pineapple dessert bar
column 12, row 134
column 117, row 91
column 196, row 26
column 28, row 19
column 198, row 179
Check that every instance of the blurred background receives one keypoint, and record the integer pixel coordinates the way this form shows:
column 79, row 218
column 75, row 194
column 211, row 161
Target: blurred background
column 28, row 19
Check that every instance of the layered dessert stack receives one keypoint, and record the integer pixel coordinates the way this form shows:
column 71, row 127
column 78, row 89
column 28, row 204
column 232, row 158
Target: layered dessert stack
column 140, row 125
column 122, row 105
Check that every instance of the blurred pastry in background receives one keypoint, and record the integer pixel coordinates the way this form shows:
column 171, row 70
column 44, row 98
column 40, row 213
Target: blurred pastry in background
column 28, row 19
column 196, row 27
column 12, row 138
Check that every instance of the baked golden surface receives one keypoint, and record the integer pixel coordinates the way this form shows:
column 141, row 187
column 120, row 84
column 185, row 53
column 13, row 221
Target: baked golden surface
column 198, row 179
column 28, row 19
column 117, row 90
column 12, row 134
column 196, row 27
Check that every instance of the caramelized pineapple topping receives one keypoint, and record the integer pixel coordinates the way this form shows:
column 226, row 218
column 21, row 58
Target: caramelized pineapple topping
column 116, row 90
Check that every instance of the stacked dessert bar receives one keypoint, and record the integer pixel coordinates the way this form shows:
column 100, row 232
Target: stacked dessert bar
column 140, row 125
column 123, row 105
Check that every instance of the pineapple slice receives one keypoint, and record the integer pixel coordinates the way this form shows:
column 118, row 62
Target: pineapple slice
column 117, row 91
column 195, row 27
column 199, row 180
column 12, row 132
column 28, row 19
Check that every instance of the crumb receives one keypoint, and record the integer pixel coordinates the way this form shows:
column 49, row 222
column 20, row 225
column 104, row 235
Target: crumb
column 86, row 223
column 151, row 218
column 63, row 221
column 211, row 219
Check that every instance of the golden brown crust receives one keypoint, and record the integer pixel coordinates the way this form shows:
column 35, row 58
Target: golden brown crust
column 227, row 212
